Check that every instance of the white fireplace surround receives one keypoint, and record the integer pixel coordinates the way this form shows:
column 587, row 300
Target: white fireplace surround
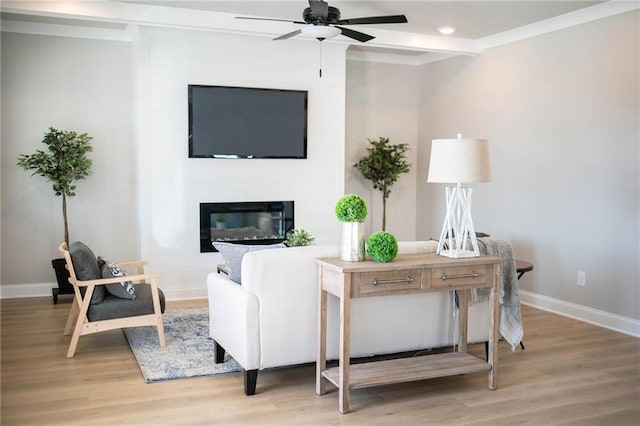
column 171, row 192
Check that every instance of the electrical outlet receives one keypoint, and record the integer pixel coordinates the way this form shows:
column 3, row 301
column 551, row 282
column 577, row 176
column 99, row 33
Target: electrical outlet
column 582, row 279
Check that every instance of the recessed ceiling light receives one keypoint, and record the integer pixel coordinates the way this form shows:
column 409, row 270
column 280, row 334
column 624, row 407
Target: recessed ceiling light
column 446, row 30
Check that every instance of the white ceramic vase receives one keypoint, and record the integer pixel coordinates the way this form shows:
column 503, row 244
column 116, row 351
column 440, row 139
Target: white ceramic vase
column 352, row 248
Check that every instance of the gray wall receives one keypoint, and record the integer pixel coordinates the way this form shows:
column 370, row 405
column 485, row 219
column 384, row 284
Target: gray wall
column 71, row 84
column 382, row 101
column 561, row 114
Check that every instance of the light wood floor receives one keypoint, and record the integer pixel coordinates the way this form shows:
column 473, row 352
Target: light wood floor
column 570, row 373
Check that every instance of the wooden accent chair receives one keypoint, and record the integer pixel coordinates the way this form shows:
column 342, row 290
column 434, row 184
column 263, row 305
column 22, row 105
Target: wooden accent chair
column 94, row 309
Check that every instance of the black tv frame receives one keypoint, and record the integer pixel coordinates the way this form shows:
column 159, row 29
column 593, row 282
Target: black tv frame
column 236, row 155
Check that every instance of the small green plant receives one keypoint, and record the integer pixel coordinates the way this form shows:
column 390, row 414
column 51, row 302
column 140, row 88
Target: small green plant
column 351, row 208
column 382, row 246
column 382, row 165
column 65, row 163
column 298, row 238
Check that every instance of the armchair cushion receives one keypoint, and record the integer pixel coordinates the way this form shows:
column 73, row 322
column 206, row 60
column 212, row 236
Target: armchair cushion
column 233, row 254
column 86, row 268
column 124, row 289
column 116, row 307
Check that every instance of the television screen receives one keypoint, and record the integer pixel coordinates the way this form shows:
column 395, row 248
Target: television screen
column 241, row 122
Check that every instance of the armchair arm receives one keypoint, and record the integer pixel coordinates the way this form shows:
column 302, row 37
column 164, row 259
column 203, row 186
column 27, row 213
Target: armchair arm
column 233, row 320
column 139, row 264
column 114, row 280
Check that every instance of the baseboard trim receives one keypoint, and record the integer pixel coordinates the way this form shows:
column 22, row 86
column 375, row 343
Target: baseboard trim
column 593, row 316
column 582, row 313
column 15, row 291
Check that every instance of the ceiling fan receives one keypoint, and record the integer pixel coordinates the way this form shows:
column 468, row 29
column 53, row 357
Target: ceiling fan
column 322, row 21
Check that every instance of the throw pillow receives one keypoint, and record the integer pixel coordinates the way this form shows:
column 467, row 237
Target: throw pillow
column 124, row 289
column 233, row 254
column 86, row 268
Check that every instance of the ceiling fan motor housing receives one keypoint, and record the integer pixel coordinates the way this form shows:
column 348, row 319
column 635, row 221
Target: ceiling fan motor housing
column 333, row 16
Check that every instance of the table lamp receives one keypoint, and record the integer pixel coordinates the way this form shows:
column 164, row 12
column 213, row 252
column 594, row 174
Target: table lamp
column 459, row 161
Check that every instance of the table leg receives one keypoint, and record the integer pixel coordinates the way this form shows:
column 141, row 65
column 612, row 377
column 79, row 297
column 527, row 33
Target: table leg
column 321, row 356
column 345, row 340
column 463, row 318
column 494, row 304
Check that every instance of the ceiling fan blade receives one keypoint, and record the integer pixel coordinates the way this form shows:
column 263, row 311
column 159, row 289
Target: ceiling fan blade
column 288, row 35
column 356, row 35
column 319, row 8
column 390, row 19
column 270, row 19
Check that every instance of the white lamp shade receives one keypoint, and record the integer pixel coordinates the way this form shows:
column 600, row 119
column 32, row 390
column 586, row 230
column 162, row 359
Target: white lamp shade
column 320, row 31
column 459, row 161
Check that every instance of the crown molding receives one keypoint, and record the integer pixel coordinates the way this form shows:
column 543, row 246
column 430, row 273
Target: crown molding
column 131, row 15
column 582, row 16
column 171, row 17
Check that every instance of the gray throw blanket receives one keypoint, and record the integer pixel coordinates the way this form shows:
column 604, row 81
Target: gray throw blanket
column 510, row 317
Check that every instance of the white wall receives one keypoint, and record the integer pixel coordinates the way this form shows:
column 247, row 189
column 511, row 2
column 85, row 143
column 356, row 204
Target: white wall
column 172, row 185
column 143, row 199
column 561, row 113
column 71, row 84
column 382, row 101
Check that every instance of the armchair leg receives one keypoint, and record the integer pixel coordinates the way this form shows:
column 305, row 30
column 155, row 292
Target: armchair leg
column 250, row 379
column 71, row 319
column 74, row 340
column 219, row 353
column 161, row 339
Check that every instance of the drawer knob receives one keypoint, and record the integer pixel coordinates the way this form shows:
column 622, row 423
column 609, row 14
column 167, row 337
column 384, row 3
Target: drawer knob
column 445, row 277
column 407, row 280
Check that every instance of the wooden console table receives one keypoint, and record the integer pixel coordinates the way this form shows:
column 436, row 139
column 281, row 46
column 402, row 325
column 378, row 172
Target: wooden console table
column 416, row 273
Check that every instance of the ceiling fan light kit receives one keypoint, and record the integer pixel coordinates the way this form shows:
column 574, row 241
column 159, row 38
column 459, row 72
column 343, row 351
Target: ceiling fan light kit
column 321, row 32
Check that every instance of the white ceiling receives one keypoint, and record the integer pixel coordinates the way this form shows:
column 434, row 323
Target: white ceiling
column 480, row 24
column 473, row 19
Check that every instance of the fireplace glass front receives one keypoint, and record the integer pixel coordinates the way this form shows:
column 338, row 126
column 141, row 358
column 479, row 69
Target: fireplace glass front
column 262, row 222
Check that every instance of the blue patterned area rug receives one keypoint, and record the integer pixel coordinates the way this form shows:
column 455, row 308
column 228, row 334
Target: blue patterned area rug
column 189, row 351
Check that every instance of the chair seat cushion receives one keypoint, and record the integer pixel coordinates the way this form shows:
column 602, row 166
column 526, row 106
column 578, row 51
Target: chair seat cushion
column 115, row 307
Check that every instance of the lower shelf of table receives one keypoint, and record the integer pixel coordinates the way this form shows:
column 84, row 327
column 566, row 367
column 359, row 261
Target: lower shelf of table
column 386, row 372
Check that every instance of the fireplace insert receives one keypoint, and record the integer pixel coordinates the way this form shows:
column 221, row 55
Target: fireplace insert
column 251, row 222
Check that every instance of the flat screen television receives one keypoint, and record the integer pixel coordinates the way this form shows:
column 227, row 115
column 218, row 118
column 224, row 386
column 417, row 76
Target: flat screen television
column 242, row 122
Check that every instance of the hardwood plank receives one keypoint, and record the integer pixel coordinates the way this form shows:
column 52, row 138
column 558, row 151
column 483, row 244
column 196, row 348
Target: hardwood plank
column 571, row 373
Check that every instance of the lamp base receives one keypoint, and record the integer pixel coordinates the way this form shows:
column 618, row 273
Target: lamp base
column 457, row 254
column 458, row 233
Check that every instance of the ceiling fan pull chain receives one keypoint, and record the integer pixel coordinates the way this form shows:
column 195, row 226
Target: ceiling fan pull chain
column 320, row 58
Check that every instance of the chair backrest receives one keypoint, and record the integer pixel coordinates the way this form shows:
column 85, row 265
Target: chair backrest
column 67, row 257
column 83, row 265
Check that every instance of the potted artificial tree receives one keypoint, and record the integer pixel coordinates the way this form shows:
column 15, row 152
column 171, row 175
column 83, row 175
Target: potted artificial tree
column 351, row 210
column 382, row 165
column 64, row 163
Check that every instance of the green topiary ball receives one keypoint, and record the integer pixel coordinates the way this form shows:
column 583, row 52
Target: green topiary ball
column 351, row 208
column 382, row 246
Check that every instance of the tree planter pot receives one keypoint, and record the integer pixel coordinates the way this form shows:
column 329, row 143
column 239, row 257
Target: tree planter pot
column 352, row 248
column 62, row 276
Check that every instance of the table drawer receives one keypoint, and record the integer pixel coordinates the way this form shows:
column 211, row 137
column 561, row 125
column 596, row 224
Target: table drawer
column 461, row 276
column 389, row 282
